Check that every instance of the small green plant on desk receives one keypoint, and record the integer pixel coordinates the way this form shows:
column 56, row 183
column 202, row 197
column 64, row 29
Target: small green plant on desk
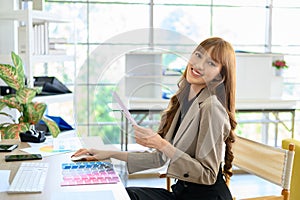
column 30, row 112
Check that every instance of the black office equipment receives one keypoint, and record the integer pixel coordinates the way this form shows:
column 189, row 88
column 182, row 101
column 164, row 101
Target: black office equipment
column 20, row 157
column 32, row 136
column 50, row 85
column 6, row 90
column 8, row 147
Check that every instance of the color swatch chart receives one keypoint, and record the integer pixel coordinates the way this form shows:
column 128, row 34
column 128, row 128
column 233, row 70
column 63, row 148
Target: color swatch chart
column 87, row 173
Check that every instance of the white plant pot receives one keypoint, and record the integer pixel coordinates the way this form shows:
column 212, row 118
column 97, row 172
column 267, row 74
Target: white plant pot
column 278, row 72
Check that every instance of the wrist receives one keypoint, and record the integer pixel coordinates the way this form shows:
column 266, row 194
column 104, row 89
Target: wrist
column 160, row 143
column 163, row 144
column 167, row 148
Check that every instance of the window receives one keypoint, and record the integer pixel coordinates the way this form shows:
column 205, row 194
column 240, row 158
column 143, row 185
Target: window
column 100, row 24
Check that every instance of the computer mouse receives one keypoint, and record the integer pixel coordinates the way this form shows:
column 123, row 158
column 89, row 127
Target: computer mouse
column 79, row 158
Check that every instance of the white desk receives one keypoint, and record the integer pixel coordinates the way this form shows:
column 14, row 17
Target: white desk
column 53, row 190
column 148, row 107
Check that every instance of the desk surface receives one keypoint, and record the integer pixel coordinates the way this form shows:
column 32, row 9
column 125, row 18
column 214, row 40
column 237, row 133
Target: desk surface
column 53, row 190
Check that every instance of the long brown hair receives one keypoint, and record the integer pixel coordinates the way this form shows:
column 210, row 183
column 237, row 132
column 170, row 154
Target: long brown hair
column 225, row 89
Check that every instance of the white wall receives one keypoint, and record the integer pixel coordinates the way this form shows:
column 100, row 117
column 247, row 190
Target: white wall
column 8, row 36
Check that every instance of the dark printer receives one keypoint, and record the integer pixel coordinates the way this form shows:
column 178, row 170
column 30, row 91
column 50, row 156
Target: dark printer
column 50, row 85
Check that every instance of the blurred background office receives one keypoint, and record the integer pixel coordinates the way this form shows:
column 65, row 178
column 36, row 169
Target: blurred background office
column 252, row 26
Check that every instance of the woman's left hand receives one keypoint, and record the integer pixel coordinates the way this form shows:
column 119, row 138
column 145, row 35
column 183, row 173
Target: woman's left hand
column 147, row 137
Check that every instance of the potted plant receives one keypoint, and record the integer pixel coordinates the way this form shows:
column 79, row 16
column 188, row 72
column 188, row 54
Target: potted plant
column 279, row 65
column 30, row 112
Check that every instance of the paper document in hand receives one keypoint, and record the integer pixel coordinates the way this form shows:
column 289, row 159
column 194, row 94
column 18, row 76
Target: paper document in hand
column 124, row 109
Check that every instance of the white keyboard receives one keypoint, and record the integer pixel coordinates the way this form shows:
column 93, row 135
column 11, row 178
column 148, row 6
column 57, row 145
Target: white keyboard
column 30, row 178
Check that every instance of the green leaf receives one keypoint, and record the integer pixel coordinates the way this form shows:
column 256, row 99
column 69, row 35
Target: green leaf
column 25, row 95
column 2, row 105
column 9, row 75
column 11, row 102
column 13, row 76
column 19, row 68
column 38, row 89
column 52, row 126
column 12, row 131
column 34, row 112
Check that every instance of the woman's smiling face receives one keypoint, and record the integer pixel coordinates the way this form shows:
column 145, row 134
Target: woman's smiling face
column 202, row 69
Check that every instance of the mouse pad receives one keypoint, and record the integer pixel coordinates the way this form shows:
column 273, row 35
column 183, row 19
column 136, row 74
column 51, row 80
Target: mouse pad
column 102, row 194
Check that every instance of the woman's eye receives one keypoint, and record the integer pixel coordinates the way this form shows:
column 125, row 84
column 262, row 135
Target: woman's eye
column 198, row 54
column 212, row 64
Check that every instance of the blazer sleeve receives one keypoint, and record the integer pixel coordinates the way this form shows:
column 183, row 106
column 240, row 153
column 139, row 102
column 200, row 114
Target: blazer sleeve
column 203, row 167
column 139, row 161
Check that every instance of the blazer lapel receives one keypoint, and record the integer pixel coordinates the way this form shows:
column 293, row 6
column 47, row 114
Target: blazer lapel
column 170, row 133
column 190, row 115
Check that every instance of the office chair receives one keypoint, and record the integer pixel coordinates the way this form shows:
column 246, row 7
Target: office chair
column 270, row 163
column 295, row 181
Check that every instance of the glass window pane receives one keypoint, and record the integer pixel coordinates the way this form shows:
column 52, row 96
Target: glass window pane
column 63, row 71
column 186, row 2
column 109, row 134
column 193, row 22
column 242, row 22
column 284, row 33
column 287, row 49
column 286, row 3
column 81, row 104
column 106, row 21
column 81, row 63
column 77, row 13
column 107, row 64
column 100, row 98
column 255, row 3
column 173, row 67
column 82, row 130
column 59, row 1
column 240, row 25
column 173, row 41
column 120, row 1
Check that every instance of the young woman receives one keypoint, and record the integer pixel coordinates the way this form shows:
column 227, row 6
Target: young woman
column 196, row 131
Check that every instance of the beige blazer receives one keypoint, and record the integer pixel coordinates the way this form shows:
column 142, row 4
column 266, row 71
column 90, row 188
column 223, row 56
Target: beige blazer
column 199, row 143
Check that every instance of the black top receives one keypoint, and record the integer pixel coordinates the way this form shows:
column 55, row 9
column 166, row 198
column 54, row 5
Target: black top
column 186, row 104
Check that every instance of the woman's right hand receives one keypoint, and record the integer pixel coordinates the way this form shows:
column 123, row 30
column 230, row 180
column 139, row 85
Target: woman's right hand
column 92, row 154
